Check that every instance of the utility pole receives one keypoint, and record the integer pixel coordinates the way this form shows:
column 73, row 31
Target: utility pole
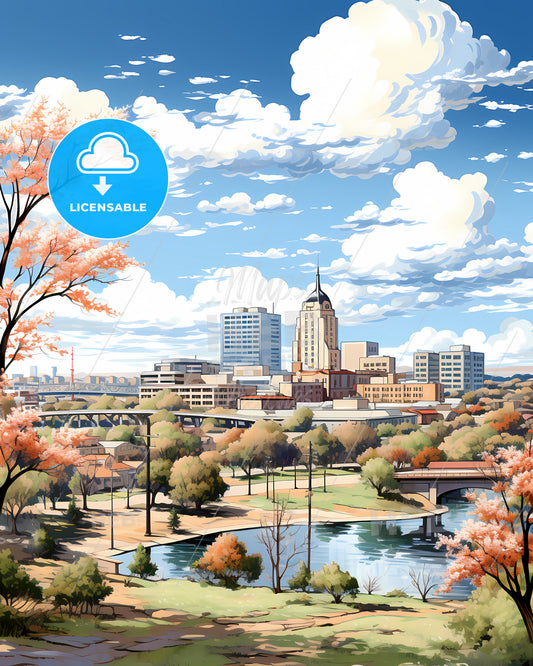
column 112, row 516
column 72, row 371
column 148, row 530
column 309, row 508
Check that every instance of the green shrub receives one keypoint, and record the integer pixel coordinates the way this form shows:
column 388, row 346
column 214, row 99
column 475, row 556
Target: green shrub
column 141, row 564
column 16, row 586
column 397, row 593
column 79, row 586
column 12, row 622
column 43, row 543
column 300, row 580
column 331, row 579
column 491, row 623
column 74, row 513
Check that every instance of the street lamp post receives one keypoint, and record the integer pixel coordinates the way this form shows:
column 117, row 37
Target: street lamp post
column 310, row 461
column 267, row 465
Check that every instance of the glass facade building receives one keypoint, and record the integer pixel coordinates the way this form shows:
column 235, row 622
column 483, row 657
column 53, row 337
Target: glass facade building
column 250, row 336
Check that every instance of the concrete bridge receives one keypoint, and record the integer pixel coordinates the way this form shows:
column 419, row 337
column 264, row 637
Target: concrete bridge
column 434, row 482
column 441, row 478
column 92, row 417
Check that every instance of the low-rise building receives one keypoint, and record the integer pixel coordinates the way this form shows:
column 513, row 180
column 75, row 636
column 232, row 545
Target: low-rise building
column 401, row 392
column 206, row 391
column 266, row 402
column 382, row 363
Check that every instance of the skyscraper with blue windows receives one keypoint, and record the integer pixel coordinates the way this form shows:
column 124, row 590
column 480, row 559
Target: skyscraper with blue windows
column 250, row 336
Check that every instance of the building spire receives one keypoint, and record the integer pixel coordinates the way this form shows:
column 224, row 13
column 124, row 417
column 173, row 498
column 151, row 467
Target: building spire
column 317, row 287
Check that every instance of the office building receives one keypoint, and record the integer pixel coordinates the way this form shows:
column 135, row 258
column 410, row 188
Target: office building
column 316, row 340
column 458, row 369
column 426, row 366
column 461, row 369
column 250, row 336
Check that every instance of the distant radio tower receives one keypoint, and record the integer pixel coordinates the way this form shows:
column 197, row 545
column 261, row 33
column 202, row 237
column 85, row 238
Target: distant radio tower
column 72, row 370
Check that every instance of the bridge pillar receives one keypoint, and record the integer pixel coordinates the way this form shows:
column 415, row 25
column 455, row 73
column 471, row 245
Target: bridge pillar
column 429, row 526
column 433, row 494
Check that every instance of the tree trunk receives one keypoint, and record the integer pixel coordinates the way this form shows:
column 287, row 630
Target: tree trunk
column 527, row 617
column 3, row 493
column 249, row 479
column 14, row 524
column 84, row 503
column 53, row 501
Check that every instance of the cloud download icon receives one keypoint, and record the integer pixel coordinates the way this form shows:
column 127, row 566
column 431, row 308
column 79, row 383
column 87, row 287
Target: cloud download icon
column 122, row 152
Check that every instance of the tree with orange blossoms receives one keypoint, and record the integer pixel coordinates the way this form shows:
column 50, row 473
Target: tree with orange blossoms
column 427, row 455
column 499, row 545
column 22, row 450
column 39, row 262
column 226, row 560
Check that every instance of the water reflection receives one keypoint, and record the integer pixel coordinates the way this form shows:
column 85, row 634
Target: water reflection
column 386, row 549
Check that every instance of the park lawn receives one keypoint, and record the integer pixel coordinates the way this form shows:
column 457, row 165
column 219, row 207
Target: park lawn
column 356, row 496
column 372, row 629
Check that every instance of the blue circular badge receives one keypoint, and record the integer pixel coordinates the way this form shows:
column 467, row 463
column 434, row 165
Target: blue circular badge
column 108, row 178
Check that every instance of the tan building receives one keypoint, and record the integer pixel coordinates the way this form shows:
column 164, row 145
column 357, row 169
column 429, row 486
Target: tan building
column 383, row 363
column 269, row 402
column 337, row 384
column 401, row 392
column 316, row 340
column 352, row 352
column 303, row 391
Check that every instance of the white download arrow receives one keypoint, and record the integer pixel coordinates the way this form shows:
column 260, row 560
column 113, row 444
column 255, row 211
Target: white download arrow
column 102, row 186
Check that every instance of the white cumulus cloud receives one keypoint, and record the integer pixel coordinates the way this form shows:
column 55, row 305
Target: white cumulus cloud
column 240, row 203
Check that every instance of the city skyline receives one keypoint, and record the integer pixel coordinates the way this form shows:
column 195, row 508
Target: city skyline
column 407, row 170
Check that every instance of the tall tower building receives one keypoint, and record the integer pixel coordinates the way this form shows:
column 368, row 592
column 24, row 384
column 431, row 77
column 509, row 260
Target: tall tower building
column 316, row 341
column 250, row 336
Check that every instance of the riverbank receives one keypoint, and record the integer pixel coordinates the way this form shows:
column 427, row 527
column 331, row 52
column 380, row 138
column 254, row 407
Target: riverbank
column 232, row 513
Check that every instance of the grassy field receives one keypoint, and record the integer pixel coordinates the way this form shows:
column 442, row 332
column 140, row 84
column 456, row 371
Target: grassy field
column 255, row 626
column 357, row 496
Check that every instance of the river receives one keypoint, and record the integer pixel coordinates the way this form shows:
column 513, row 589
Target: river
column 386, row 549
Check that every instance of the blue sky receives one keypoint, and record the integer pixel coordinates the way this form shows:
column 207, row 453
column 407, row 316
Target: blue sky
column 395, row 145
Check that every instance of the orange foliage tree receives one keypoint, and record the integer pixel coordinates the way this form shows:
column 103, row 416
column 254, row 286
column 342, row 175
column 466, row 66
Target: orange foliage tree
column 427, row 455
column 39, row 262
column 22, row 450
column 499, row 545
column 226, row 560
column 503, row 420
